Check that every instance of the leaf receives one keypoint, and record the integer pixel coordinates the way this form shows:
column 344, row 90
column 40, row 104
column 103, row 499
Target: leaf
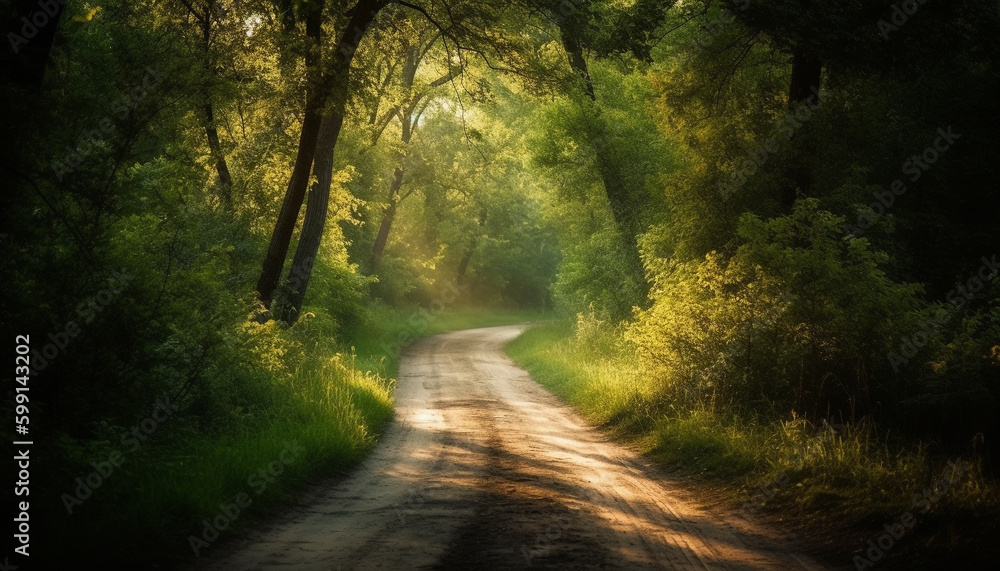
column 87, row 16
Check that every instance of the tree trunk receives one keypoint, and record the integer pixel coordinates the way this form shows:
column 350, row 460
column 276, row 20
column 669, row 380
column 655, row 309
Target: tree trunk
column 336, row 86
column 625, row 210
column 294, row 195
column 574, row 51
column 317, row 207
column 282, row 235
column 388, row 215
column 410, row 64
column 225, row 180
column 463, row 264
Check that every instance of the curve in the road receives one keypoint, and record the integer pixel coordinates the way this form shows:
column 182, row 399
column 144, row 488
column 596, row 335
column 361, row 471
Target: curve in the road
column 482, row 468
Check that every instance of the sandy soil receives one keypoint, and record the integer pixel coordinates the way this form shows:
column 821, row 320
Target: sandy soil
column 484, row 469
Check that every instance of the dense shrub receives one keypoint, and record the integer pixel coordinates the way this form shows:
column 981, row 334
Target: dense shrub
column 800, row 317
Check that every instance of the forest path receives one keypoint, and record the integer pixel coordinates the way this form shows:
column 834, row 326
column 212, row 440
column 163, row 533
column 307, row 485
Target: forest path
column 482, row 468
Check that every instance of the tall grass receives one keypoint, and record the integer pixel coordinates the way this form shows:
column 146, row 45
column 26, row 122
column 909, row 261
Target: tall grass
column 853, row 470
column 295, row 387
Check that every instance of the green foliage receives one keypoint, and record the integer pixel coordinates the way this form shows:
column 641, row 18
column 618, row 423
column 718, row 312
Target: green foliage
column 595, row 276
column 851, row 473
column 464, row 202
column 797, row 317
column 581, row 147
column 180, row 476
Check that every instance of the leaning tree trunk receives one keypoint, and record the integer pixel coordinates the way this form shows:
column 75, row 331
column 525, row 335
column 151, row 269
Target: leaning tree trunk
column 317, row 207
column 294, row 195
column 362, row 16
column 215, row 147
column 625, row 210
column 225, row 181
column 388, row 215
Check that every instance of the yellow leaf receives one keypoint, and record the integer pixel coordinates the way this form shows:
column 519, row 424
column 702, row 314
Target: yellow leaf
column 88, row 16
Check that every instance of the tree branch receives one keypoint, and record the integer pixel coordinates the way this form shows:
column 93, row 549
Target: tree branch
column 194, row 12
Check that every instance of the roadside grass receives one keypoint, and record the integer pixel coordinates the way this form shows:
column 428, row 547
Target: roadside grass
column 839, row 485
column 168, row 500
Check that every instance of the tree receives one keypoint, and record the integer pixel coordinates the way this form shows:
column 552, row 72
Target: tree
column 325, row 85
column 463, row 23
column 408, row 112
column 579, row 23
column 209, row 17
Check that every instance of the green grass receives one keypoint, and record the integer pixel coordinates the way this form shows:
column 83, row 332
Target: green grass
column 166, row 487
column 589, row 377
column 304, row 388
column 853, row 478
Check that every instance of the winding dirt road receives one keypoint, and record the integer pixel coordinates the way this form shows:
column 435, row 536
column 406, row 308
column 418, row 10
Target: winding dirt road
column 484, row 469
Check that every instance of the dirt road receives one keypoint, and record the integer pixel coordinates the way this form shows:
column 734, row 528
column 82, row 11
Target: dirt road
column 484, row 469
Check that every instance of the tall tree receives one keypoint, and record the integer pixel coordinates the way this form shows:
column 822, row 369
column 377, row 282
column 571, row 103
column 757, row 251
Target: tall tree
column 468, row 23
column 586, row 24
column 209, row 16
column 326, row 85
column 295, row 194
column 317, row 207
column 408, row 111
column 334, row 92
